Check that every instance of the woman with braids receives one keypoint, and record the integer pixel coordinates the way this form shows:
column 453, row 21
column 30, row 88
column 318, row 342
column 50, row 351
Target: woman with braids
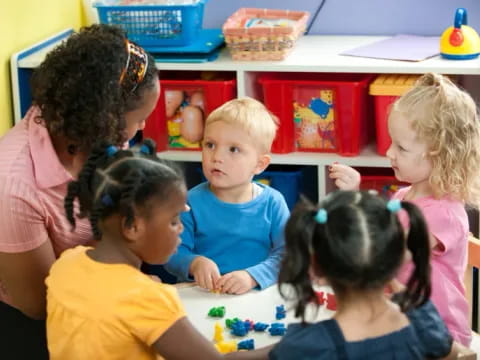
column 355, row 242
column 100, row 305
column 94, row 86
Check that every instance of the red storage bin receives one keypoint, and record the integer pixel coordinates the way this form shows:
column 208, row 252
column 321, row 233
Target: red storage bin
column 319, row 112
column 387, row 88
column 381, row 179
column 186, row 99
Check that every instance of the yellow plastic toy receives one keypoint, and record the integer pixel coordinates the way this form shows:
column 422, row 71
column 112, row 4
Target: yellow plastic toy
column 218, row 333
column 460, row 42
column 225, row 347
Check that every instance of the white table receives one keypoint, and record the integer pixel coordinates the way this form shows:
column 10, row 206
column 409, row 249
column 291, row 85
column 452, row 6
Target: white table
column 258, row 306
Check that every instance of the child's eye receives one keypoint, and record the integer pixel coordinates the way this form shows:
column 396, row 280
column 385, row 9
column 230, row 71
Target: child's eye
column 176, row 221
column 234, row 149
column 401, row 148
column 208, row 145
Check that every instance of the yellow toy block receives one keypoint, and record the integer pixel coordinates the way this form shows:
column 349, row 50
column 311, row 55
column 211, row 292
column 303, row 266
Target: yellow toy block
column 218, row 334
column 226, row 346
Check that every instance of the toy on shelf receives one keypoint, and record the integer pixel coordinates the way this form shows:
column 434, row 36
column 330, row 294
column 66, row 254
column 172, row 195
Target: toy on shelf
column 185, row 117
column 263, row 34
column 460, row 41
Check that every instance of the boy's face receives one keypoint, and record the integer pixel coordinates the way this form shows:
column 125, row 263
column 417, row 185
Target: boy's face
column 407, row 155
column 230, row 158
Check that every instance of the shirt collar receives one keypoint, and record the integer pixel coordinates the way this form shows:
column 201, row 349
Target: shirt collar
column 48, row 170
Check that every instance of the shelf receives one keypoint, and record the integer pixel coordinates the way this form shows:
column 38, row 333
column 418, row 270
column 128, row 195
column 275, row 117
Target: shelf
column 367, row 157
column 315, row 53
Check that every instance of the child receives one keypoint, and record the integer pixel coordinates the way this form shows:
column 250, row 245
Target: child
column 435, row 147
column 233, row 234
column 355, row 242
column 99, row 304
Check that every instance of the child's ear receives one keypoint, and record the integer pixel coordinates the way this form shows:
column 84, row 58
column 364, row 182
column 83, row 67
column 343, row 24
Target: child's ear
column 262, row 163
column 134, row 230
column 316, row 274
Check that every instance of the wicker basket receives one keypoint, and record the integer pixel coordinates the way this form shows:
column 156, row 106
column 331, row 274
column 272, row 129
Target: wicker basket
column 263, row 42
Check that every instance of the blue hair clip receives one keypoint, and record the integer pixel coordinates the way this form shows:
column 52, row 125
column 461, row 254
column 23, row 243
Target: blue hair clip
column 394, row 205
column 321, row 216
column 111, row 150
column 107, row 200
column 144, row 149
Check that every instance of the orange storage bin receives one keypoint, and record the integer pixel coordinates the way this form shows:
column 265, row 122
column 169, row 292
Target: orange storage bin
column 186, row 99
column 380, row 179
column 387, row 88
column 319, row 112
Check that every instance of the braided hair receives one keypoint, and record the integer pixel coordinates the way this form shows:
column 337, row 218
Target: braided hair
column 115, row 181
column 359, row 247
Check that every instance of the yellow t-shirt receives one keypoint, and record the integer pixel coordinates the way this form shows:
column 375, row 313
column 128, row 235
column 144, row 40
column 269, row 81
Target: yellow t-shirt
column 105, row 311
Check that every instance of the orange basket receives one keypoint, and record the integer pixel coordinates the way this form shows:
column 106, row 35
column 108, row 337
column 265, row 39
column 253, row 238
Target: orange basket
column 263, row 34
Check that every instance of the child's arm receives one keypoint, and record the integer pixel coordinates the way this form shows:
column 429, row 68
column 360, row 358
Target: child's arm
column 345, row 177
column 266, row 272
column 258, row 354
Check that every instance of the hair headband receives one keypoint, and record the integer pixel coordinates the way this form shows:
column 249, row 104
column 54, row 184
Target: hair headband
column 135, row 67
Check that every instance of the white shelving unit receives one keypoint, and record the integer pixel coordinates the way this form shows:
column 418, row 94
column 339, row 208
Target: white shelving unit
column 315, row 53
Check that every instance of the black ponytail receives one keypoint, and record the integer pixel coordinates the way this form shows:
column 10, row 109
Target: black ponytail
column 418, row 286
column 296, row 264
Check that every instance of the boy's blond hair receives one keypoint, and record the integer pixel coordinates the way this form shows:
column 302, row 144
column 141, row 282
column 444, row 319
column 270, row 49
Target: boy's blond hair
column 252, row 116
column 445, row 118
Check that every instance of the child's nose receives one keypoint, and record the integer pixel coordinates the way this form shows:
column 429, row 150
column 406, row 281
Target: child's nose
column 389, row 152
column 217, row 156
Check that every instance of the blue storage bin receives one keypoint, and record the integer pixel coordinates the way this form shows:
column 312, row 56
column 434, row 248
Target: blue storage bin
column 290, row 181
column 287, row 182
column 155, row 25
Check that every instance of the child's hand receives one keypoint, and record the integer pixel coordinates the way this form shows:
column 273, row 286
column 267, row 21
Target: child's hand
column 205, row 272
column 236, row 282
column 346, row 177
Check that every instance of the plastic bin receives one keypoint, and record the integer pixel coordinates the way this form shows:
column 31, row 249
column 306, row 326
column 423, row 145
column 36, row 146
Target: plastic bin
column 387, row 88
column 155, row 25
column 290, row 181
column 381, row 179
column 319, row 112
column 186, row 99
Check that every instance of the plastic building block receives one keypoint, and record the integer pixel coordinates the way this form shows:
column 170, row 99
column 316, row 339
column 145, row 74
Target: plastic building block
column 250, row 323
column 259, row 326
column 331, row 302
column 218, row 332
column 248, row 344
column 277, row 329
column 226, row 346
column 217, row 311
column 239, row 328
column 281, row 312
column 230, row 322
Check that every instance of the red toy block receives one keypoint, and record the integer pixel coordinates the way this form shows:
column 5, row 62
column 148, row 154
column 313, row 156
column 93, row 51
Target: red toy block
column 331, row 302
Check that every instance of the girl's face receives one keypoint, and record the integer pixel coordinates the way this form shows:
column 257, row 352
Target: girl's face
column 160, row 231
column 136, row 119
column 407, row 154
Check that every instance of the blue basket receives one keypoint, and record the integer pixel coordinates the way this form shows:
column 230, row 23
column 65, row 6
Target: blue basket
column 155, row 25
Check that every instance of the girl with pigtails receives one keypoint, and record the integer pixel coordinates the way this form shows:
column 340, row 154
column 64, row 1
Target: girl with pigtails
column 99, row 304
column 354, row 242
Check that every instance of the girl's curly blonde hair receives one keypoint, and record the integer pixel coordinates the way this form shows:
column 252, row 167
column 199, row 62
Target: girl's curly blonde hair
column 446, row 119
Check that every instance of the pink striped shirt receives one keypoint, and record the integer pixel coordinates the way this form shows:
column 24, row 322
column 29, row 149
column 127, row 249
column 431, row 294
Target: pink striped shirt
column 33, row 184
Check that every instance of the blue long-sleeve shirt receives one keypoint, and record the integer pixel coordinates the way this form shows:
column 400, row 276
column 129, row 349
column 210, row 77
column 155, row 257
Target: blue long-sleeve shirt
column 245, row 236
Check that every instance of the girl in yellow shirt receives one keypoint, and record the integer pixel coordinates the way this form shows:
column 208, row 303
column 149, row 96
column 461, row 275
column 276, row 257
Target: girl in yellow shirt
column 99, row 304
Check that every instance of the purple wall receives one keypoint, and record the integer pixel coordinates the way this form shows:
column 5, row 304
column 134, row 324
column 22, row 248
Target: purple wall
column 361, row 17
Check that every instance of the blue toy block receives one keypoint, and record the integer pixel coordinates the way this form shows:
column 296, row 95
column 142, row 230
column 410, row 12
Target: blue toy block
column 246, row 345
column 239, row 328
column 277, row 329
column 259, row 326
column 281, row 312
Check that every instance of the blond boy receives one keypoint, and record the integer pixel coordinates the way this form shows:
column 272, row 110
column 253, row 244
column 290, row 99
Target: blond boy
column 233, row 237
